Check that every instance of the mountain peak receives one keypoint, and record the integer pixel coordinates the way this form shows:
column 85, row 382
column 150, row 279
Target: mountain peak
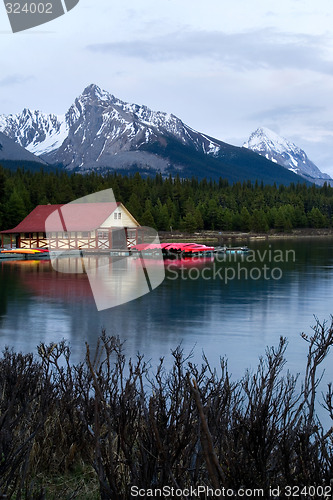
column 266, row 131
column 100, row 132
column 26, row 112
column 279, row 150
column 94, row 92
column 264, row 139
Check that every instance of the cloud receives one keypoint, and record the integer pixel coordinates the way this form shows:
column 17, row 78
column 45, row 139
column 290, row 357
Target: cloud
column 259, row 49
column 10, row 80
column 284, row 112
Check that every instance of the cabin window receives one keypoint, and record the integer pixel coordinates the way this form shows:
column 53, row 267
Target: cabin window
column 119, row 215
column 103, row 234
column 27, row 235
column 115, row 216
column 85, row 234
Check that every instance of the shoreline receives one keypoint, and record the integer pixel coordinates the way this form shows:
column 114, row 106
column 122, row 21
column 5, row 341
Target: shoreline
column 221, row 237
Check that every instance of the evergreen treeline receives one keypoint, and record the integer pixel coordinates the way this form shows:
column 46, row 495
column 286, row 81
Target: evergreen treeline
column 184, row 204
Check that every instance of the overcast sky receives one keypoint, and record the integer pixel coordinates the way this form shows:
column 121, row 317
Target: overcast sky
column 225, row 68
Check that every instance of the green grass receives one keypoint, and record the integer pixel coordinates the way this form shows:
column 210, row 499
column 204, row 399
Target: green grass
column 81, row 484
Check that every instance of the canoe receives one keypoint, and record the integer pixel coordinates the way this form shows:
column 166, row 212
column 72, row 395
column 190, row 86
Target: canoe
column 25, row 251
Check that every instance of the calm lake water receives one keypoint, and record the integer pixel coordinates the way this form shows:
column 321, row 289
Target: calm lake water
column 198, row 305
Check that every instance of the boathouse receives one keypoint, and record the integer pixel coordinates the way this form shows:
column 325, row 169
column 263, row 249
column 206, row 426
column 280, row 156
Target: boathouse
column 86, row 226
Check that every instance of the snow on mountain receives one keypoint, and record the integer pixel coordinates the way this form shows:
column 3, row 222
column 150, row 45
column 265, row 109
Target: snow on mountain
column 38, row 132
column 279, row 150
column 101, row 130
column 11, row 151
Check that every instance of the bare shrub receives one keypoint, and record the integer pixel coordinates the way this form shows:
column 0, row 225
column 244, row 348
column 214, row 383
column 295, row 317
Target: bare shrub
column 108, row 424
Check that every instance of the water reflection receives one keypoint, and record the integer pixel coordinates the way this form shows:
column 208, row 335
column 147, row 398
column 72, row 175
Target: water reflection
column 237, row 318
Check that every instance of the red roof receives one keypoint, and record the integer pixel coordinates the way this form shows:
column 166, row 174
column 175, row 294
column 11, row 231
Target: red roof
column 69, row 217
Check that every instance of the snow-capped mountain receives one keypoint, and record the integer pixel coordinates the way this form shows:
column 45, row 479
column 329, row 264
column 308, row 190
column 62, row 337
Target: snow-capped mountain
column 38, row 132
column 277, row 149
column 10, row 151
column 101, row 132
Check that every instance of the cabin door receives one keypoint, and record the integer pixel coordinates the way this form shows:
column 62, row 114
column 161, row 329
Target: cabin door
column 119, row 239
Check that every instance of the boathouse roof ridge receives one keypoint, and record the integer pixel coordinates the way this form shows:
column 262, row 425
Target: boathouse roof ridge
column 67, row 217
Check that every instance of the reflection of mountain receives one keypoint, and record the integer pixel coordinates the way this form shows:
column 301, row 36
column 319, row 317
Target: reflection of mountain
column 238, row 319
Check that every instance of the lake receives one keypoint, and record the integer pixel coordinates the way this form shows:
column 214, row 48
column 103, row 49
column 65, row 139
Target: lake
column 232, row 306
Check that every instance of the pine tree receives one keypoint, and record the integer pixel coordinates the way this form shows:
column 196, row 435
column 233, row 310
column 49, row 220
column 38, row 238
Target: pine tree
column 134, row 206
column 15, row 210
column 147, row 218
column 189, row 223
column 259, row 221
column 317, row 219
column 245, row 220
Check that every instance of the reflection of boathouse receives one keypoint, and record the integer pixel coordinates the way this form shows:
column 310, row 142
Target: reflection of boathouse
column 87, row 226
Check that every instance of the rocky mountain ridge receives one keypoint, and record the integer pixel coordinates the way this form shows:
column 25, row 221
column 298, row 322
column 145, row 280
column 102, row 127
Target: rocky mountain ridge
column 100, row 132
column 285, row 153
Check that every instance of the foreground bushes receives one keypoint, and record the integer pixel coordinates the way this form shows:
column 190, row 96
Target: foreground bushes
column 95, row 429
